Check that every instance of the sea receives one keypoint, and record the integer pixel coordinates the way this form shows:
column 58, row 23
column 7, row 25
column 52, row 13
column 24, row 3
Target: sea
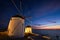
column 53, row 34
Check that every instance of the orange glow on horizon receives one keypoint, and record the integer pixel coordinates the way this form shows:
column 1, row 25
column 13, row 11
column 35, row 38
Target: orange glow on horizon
column 55, row 27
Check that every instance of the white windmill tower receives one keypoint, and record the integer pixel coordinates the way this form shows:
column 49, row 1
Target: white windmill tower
column 16, row 24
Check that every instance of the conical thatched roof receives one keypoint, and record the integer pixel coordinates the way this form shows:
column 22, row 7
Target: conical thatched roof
column 18, row 16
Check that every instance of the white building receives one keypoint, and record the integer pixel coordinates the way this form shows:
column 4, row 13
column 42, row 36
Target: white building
column 16, row 26
column 28, row 29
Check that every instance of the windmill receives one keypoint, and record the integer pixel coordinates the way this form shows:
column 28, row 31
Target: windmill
column 16, row 24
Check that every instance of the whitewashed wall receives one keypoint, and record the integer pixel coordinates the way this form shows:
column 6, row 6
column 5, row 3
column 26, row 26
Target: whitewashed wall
column 16, row 27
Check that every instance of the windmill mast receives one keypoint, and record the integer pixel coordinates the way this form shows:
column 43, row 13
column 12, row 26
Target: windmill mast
column 21, row 7
column 19, row 10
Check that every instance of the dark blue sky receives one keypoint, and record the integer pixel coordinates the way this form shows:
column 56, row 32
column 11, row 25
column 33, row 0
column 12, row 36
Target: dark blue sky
column 41, row 11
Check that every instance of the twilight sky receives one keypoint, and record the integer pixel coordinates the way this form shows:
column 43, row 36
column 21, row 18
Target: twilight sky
column 45, row 12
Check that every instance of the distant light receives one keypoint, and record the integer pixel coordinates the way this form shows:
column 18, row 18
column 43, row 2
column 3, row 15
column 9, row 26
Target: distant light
column 28, row 30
